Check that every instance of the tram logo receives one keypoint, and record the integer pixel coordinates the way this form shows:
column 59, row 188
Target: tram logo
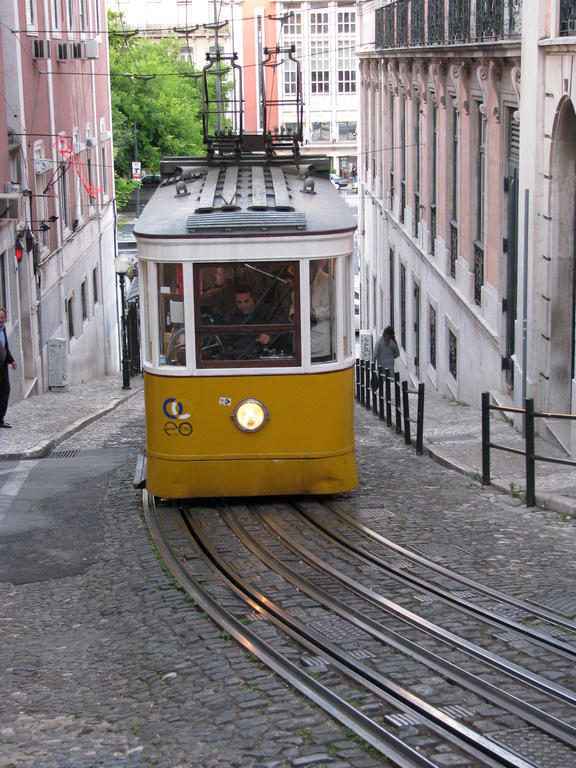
column 174, row 410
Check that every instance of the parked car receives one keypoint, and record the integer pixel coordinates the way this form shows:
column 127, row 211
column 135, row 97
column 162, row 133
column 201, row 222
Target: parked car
column 339, row 181
column 151, row 178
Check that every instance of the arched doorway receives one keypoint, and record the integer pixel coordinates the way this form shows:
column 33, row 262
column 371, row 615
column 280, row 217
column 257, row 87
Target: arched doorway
column 562, row 389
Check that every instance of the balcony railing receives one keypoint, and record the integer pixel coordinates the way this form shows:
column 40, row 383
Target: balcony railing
column 567, row 18
column 478, row 272
column 411, row 23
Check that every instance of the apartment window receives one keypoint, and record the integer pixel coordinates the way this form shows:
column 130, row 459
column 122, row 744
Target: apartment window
column 319, row 23
column 186, row 53
column 433, row 155
column 346, row 22
column 432, row 335
column 104, row 172
column 31, row 13
column 392, row 287
column 346, row 69
column 347, row 131
column 454, row 159
column 56, row 17
column 480, row 204
column 320, row 67
column 82, row 14
column 452, row 354
column 293, row 25
column 320, row 131
column 403, row 305
column 84, row 299
column 95, row 285
column 64, row 197
column 41, row 167
column 402, row 159
column 70, row 14
column 417, row 164
column 392, row 134
column 97, row 16
column 69, row 310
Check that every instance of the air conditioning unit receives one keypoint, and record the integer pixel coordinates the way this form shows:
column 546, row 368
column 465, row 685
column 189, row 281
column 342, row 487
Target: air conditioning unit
column 40, row 49
column 64, row 51
column 90, row 142
column 11, row 207
column 90, row 49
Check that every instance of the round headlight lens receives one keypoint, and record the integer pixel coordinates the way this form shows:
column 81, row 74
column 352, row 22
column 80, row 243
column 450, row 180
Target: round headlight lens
column 250, row 415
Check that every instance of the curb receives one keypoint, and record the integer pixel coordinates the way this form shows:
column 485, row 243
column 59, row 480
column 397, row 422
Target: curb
column 43, row 448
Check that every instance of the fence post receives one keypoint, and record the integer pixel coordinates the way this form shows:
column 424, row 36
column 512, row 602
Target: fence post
column 375, row 387
column 397, row 403
column 368, row 383
column 420, row 422
column 485, row 438
column 530, row 461
column 357, row 372
column 380, row 394
column 406, row 412
column 388, row 388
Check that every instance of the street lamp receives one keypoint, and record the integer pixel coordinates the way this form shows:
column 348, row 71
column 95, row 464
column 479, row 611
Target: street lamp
column 123, row 265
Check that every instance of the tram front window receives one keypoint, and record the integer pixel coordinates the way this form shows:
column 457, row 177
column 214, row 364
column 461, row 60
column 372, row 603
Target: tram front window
column 244, row 313
column 322, row 314
column 172, row 338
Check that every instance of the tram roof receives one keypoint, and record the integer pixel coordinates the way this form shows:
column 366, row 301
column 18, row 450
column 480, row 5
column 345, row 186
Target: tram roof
column 248, row 198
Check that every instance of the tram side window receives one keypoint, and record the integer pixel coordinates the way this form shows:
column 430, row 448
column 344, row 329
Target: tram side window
column 247, row 314
column 171, row 314
column 322, row 314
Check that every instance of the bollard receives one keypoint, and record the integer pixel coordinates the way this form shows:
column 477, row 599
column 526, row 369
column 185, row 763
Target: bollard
column 397, row 403
column 406, row 412
column 530, row 461
column 420, row 422
column 485, row 438
column 367, row 384
column 375, row 386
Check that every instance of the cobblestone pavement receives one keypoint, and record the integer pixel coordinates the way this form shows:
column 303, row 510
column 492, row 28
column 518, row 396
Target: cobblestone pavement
column 109, row 665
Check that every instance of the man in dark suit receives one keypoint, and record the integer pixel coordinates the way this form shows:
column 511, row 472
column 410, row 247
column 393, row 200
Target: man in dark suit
column 6, row 359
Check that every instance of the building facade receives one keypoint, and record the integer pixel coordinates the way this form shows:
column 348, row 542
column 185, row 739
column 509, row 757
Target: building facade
column 440, row 94
column 325, row 35
column 57, row 239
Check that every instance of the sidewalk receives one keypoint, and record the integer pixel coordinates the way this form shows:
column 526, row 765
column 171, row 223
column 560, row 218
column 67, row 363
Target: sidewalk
column 40, row 422
column 452, row 437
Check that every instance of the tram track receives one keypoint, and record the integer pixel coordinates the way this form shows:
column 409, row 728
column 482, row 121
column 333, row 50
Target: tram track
column 480, row 748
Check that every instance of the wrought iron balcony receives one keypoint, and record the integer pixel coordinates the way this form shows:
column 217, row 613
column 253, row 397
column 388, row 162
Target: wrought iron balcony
column 412, row 23
column 567, row 18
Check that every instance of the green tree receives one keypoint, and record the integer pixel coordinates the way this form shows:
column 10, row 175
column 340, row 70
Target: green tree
column 152, row 87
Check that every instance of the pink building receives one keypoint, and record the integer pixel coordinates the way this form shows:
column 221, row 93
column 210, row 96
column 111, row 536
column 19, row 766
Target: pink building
column 56, row 165
column 439, row 187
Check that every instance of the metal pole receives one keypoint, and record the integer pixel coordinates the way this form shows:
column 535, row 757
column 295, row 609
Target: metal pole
column 406, row 412
column 135, row 143
column 530, row 461
column 485, row 438
column 397, row 403
column 420, row 421
column 525, row 307
column 125, row 357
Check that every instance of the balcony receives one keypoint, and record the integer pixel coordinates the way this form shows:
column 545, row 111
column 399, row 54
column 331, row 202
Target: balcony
column 418, row 23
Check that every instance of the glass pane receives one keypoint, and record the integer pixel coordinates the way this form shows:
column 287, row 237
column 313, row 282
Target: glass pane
column 322, row 314
column 171, row 314
column 247, row 312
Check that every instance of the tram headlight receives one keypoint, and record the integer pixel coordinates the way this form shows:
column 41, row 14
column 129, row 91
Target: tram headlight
column 250, row 415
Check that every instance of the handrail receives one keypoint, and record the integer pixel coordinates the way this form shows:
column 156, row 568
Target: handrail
column 529, row 451
column 374, row 387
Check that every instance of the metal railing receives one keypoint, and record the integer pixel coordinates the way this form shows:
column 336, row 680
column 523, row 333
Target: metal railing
column 529, row 452
column 412, row 23
column 389, row 399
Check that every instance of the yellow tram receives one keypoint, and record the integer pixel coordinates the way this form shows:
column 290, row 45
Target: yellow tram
column 246, row 286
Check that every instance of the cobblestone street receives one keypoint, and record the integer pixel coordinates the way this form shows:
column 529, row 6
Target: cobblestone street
column 110, row 664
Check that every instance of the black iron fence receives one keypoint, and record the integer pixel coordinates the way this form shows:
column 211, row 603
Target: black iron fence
column 529, row 452
column 389, row 399
column 410, row 23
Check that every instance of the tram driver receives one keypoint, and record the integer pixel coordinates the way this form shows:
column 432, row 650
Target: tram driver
column 248, row 311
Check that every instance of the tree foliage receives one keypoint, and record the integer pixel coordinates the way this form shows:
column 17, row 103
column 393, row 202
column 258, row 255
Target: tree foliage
column 166, row 108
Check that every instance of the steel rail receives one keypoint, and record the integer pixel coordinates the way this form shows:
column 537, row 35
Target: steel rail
column 424, row 625
column 488, row 616
column 537, row 717
column 534, row 608
column 386, row 743
column 481, row 747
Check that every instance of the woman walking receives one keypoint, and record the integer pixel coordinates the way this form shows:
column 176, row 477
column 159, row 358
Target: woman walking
column 386, row 350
